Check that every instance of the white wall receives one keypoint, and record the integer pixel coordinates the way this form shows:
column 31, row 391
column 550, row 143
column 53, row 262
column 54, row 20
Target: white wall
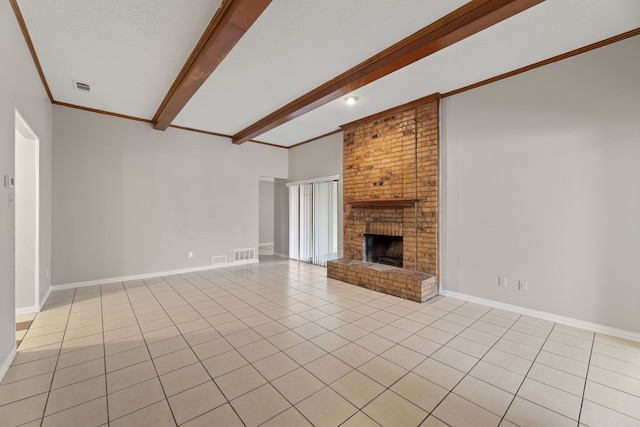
column 541, row 182
column 20, row 88
column 317, row 159
column 25, row 222
column 131, row 200
column 281, row 218
column 266, row 211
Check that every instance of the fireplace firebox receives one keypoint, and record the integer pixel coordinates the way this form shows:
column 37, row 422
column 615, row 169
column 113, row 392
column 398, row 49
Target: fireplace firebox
column 382, row 249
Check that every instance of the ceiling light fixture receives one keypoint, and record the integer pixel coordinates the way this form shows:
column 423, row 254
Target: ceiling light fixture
column 351, row 100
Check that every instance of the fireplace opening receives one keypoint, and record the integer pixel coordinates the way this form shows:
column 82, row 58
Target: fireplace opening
column 382, row 249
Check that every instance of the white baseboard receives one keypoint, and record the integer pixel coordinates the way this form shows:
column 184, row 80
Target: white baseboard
column 243, row 262
column 265, row 248
column 563, row 320
column 149, row 275
column 7, row 362
column 43, row 301
column 27, row 310
column 34, row 308
column 281, row 255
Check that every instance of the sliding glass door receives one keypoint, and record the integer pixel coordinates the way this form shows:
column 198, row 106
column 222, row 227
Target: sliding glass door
column 313, row 221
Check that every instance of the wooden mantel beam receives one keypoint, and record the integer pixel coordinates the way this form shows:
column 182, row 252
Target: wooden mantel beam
column 465, row 21
column 230, row 22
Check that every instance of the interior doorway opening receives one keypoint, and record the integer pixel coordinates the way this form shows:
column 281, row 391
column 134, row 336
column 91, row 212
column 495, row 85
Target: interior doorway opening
column 27, row 218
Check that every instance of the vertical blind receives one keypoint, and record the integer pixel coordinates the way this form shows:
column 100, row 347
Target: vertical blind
column 313, row 221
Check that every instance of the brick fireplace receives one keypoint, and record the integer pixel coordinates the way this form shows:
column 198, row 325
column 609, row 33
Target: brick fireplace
column 391, row 182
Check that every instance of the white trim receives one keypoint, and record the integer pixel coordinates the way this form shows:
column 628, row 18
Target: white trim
column 281, row 255
column 34, row 308
column 266, row 179
column 46, row 297
column 563, row 320
column 309, row 181
column 27, row 310
column 7, row 362
column 148, row 275
column 247, row 261
column 37, row 220
column 23, row 128
column 266, row 248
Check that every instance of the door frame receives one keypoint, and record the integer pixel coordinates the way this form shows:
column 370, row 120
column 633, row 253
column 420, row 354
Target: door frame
column 22, row 127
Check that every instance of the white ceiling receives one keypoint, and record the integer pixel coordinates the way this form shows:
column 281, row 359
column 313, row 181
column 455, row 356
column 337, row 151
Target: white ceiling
column 297, row 45
column 131, row 52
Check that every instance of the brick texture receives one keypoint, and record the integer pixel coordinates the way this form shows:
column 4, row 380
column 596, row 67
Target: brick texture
column 396, row 156
column 411, row 285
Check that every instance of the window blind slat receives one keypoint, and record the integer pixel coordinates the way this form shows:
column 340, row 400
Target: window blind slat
column 313, row 221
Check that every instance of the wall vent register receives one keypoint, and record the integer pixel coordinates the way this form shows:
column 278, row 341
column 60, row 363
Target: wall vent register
column 240, row 255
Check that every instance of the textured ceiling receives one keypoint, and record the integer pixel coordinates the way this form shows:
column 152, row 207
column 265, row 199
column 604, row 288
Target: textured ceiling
column 131, row 52
column 297, row 45
column 542, row 32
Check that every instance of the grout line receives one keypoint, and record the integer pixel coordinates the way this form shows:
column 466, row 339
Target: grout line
column 312, row 291
column 309, row 341
column 166, row 398
column 527, row 375
column 104, row 354
column 586, row 378
column 249, row 364
column 479, row 359
column 190, row 347
column 44, row 410
column 388, row 388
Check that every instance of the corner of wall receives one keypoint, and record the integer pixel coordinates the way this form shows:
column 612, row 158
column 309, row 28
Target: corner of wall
column 7, row 362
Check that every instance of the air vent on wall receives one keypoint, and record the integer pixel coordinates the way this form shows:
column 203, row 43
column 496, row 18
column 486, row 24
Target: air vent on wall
column 82, row 87
column 220, row 259
column 244, row 255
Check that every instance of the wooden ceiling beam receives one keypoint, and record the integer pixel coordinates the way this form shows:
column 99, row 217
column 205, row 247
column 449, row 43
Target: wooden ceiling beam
column 230, row 22
column 465, row 21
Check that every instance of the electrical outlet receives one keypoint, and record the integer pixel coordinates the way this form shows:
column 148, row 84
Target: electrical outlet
column 522, row 285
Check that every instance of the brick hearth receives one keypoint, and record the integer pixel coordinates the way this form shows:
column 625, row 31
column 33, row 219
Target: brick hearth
column 412, row 285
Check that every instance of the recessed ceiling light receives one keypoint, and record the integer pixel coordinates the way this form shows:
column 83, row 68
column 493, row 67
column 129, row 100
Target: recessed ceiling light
column 351, row 100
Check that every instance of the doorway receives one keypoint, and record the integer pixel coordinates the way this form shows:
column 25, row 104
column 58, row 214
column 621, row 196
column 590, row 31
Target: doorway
column 27, row 218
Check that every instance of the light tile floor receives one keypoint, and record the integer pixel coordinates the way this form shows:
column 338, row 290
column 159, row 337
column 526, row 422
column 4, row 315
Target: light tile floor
column 23, row 321
column 279, row 344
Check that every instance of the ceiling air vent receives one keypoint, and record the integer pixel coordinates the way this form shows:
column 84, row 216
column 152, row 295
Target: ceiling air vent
column 82, row 87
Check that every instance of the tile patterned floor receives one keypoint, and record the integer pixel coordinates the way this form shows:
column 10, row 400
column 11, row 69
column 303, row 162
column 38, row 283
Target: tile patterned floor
column 279, row 344
column 23, row 322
